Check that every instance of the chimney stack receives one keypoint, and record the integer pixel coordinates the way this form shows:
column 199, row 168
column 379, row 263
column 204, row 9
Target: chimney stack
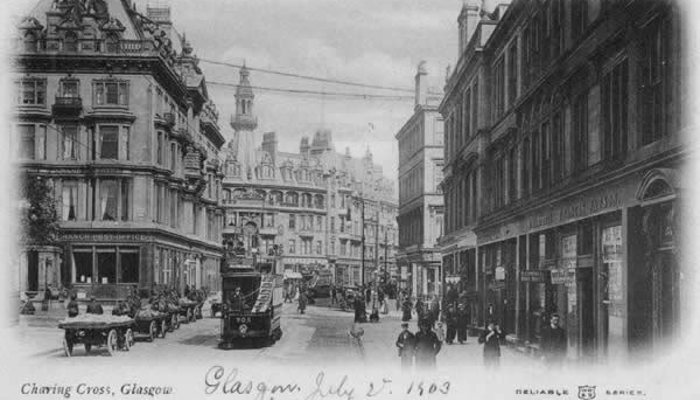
column 467, row 21
column 421, row 96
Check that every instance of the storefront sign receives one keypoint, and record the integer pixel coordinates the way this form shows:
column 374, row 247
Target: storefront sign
column 105, row 237
column 563, row 276
column 500, row 273
column 607, row 200
column 535, row 275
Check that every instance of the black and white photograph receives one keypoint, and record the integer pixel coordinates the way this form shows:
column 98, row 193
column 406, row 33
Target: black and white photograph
column 348, row 200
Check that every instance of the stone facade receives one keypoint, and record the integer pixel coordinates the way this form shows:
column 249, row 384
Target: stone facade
column 310, row 203
column 420, row 197
column 112, row 107
column 561, row 182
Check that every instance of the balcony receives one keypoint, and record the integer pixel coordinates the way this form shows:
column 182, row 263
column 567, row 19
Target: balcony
column 306, row 233
column 66, row 106
column 168, row 120
column 268, row 231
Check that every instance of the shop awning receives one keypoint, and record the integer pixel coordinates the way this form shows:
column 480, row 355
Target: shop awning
column 291, row 275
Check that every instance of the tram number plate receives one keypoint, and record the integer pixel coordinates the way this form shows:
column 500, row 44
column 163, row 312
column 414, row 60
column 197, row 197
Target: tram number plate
column 243, row 320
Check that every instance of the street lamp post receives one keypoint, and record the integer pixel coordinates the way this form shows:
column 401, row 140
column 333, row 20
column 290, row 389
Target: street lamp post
column 362, row 227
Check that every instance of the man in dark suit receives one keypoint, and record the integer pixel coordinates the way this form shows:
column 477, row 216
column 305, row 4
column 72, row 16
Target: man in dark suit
column 427, row 346
column 406, row 345
column 94, row 307
column 451, row 320
column 554, row 343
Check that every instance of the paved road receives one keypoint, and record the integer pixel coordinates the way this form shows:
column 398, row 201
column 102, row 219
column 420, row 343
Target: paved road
column 318, row 337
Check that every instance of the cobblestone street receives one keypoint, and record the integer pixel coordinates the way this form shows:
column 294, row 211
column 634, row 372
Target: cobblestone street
column 318, row 337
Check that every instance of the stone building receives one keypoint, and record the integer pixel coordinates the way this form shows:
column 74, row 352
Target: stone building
column 112, row 108
column 309, row 202
column 565, row 174
column 420, row 198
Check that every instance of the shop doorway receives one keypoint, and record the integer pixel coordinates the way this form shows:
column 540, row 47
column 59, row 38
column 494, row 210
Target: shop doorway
column 32, row 270
column 665, row 299
column 586, row 306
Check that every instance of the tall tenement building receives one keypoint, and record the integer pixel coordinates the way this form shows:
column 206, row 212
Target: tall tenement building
column 308, row 203
column 421, row 210
column 564, row 147
column 112, row 110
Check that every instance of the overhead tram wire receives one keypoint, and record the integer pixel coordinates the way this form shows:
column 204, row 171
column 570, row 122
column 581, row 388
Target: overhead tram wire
column 308, row 77
column 325, row 94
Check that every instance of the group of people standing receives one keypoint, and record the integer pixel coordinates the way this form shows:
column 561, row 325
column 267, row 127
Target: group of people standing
column 420, row 348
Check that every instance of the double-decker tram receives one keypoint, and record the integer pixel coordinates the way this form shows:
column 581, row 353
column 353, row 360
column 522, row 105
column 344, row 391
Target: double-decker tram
column 252, row 296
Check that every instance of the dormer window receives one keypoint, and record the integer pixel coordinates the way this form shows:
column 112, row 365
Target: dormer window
column 70, row 42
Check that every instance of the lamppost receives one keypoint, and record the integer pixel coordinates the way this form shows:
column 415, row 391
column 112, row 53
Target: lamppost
column 360, row 199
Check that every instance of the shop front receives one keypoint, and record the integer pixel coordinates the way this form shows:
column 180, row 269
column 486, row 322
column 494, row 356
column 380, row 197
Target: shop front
column 605, row 261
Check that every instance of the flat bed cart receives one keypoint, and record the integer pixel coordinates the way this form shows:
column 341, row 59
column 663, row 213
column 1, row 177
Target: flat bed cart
column 153, row 326
column 188, row 311
column 173, row 319
column 113, row 335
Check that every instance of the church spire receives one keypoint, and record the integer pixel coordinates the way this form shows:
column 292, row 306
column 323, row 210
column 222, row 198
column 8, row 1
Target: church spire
column 244, row 120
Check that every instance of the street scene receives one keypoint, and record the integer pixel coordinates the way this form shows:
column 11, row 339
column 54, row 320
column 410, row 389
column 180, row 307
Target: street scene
column 486, row 184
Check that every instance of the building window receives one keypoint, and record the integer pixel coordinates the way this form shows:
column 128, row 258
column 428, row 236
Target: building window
column 108, row 142
column 512, row 175
column 499, row 87
column 106, row 265
column 319, row 223
column 556, row 10
column 173, row 156
column 114, row 195
column 69, row 88
column 27, row 141
column 111, row 93
column 129, row 260
column 292, row 246
column 319, row 247
column 558, row 151
column 536, row 161
column 69, row 142
column 69, row 198
column 31, row 92
column 513, row 72
column 292, row 221
column 525, row 176
column 580, row 133
column 579, row 17
column 655, row 81
column 545, row 153
column 82, row 261
column 614, row 103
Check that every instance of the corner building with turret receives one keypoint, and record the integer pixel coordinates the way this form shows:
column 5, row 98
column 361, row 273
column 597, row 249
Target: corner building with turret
column 112, row 109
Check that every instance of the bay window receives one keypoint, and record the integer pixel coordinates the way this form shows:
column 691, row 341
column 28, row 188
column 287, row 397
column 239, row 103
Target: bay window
column 110, row 93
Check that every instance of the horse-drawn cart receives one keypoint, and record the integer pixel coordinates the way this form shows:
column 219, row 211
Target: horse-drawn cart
column 113, row 332
column 152, row 323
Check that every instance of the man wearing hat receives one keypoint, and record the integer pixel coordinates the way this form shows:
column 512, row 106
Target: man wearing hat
column 94, row 307
column 427, row 346
column 406, row 346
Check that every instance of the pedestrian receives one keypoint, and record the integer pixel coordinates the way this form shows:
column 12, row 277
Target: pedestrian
column 374, row 316
column 435, row 309
column 440, row 331
column 94, row 307
column 427, row 346
column 368, row 294
column 462, row 322
column 407, row 307
column 72, row 307
column 420, row 310
column 554, row 343
column 451, row 320
column 334, row 294
column 490, row 338
column 360, row 309
column 407, row 347
column 302, row 302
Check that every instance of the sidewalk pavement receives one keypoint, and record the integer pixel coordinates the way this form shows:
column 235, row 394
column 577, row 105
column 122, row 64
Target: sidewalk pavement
column 380, row 345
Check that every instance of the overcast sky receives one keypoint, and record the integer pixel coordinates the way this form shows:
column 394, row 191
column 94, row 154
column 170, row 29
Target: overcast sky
column 368, row 41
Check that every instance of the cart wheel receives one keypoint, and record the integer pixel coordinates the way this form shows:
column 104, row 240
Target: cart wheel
column 128, row 339
column 112, row 345
column 67, row 347
column 163, row 328
column 152, row 331
column 88, row 347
